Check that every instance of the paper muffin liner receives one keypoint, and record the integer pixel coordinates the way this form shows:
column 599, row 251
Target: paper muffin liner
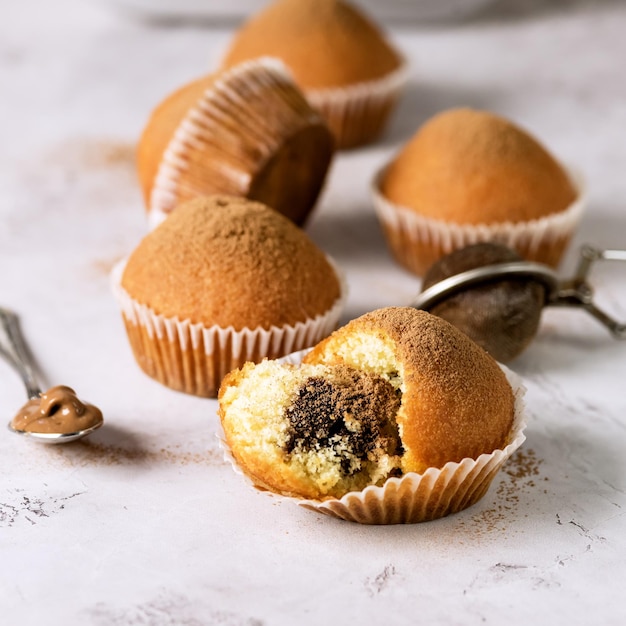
column 413, row 497
column 194, row 358
column 417, row 242
column 237, row 125
column 357, row 114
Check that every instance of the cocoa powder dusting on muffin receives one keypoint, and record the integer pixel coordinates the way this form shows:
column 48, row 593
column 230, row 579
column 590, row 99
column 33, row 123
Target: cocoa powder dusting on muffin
column 427, row 344
column 472, row 167
column 456, row 400
column 325, row 43
column 231, row 262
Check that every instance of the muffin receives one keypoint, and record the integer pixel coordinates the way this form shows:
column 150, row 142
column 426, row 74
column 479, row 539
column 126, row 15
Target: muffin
column 223, row 281
column 397, row 417
column 468, row 176
column 247, row 132
column 338, row 56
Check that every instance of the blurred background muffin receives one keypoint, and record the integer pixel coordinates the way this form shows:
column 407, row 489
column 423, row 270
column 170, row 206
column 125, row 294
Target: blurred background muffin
column 469, row 176
column 339, row 57
column 247, row 131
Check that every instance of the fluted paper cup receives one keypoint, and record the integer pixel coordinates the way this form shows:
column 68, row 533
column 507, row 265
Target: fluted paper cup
column 413, row 497
column 249, row 124
column 417, row 242
column 357, row 114
column 194, row 358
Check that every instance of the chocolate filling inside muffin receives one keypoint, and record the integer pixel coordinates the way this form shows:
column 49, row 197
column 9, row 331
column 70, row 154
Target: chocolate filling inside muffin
column 353, row 414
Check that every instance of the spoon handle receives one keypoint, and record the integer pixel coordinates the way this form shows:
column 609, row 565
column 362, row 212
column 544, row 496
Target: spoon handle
column 13, row 350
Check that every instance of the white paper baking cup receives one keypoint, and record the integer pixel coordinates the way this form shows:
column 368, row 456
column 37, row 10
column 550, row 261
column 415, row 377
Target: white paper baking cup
column 357, row 114
column 417, row 241
column 194, row 358
column 414, row 497
column 235, row 128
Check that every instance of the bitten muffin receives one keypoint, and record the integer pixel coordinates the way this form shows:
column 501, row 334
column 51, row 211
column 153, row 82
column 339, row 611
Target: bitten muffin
column 245, row 132
column 223, row 281
column 469, row 176
column 311, row 431
column 456, row 401
column 396, row 417
column 338, row 56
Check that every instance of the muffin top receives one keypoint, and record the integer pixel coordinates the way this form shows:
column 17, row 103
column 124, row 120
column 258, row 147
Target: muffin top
column 325, row 43
column 473, row 167
column 231, row 262
column 456, row 401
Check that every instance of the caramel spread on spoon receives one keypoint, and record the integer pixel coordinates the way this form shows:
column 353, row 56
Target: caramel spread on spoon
column 57, row 410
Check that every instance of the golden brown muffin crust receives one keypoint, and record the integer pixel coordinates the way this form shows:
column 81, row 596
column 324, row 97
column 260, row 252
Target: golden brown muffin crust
column 247, row 132
column 229, row 261
column 473, row 167
column 456, row 402
column 325, row 43
column 161, row 126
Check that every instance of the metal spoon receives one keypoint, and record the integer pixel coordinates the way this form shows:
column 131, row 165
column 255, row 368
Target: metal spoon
column 13, row 350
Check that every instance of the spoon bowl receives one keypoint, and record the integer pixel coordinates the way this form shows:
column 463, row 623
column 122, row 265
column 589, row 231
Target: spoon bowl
column 13, row 350
column 55, row 438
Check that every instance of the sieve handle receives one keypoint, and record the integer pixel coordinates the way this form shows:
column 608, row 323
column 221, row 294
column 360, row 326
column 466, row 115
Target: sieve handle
column 577, row 292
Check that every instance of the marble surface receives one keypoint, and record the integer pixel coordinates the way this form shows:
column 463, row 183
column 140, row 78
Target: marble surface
column 145, row 523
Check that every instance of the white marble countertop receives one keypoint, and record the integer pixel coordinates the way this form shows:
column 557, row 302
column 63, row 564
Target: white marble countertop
column 145, row 523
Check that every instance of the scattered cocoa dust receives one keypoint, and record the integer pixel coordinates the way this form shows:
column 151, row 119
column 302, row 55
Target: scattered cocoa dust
column 93, row 154
column 521, row 475
column 109, row 153
column 105, row 266
column 84, row 453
